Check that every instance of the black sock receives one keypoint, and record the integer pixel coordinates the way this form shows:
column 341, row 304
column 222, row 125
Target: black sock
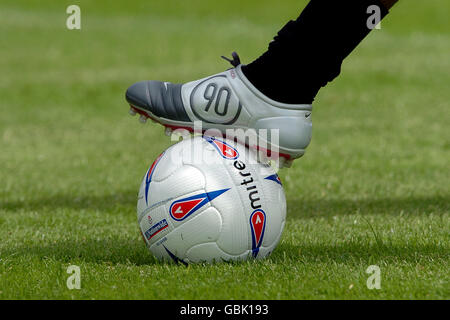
column 307, row 53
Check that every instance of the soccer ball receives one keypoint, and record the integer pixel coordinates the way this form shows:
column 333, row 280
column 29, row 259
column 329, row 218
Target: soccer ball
column 207, row 199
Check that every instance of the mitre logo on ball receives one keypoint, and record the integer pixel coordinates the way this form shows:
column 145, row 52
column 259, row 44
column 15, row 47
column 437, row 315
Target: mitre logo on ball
column 226, row 206
column 224, row 149
column 183, row 208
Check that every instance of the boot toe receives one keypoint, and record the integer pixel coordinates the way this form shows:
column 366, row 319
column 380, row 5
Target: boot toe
column 138, row 95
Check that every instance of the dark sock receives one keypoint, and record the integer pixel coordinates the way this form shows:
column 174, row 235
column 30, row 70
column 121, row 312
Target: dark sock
column 307, row 53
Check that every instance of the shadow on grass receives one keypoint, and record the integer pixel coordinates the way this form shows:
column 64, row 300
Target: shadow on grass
column 74, row 201
column 296, row 207
column 357, row 252
column 112, row 251
column 117, row 250
column 299, row 208
column 133, row 252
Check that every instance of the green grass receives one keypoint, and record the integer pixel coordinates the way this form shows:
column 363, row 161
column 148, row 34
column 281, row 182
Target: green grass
column 372, row 189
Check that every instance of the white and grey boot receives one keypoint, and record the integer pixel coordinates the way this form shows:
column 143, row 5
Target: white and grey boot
column 224, row 101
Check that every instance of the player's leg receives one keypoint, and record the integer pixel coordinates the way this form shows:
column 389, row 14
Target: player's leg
column 273, row 92
column 310, row 50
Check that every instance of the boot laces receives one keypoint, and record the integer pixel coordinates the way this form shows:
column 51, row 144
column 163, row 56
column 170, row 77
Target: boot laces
column 235, row 61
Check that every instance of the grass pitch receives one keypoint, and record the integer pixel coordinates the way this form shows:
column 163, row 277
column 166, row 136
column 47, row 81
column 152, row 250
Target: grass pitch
column 372, row 189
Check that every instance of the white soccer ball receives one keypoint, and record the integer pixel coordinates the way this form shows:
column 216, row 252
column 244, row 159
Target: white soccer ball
column 206, row 199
